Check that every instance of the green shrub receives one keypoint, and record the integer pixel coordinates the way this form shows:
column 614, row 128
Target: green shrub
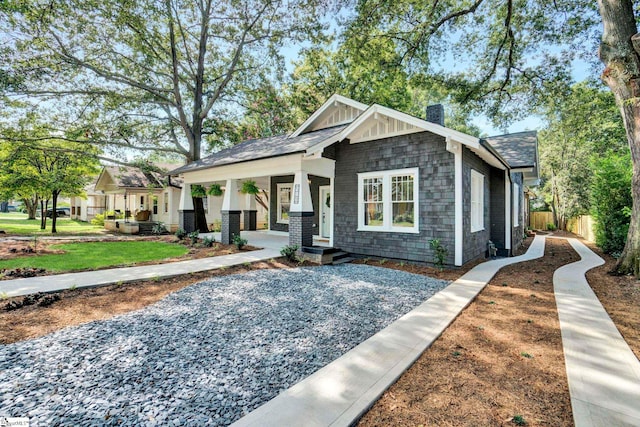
column 180, row 234
column 611, row 201
column 208, row 242
column 159, row 228
column 290, row 252
column 239, row 241
column 551, row 226
column 216, row 226
column 439, row 252
column 194, row 236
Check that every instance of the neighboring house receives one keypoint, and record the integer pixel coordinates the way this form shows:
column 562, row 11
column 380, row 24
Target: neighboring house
column 378, row 182
column 85, row 208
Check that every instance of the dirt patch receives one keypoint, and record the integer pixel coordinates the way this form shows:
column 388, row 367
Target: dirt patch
column 10, row 249
column 620, row 296
column 85, row 305
column 502, row 357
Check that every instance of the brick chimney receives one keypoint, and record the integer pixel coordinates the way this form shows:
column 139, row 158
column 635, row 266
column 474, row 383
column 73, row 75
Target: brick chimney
column 435, row 114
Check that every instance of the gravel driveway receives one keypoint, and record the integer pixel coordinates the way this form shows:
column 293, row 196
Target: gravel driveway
column 207, row 354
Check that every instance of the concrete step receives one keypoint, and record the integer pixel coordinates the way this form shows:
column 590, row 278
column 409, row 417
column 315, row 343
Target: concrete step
column 341, row 258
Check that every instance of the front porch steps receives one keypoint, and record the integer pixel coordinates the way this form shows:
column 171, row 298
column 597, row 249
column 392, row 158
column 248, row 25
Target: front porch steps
column 324, row 255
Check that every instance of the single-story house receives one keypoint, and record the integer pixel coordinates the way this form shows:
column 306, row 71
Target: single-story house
column 377, row 182
column 86, row 207
column 150, row 196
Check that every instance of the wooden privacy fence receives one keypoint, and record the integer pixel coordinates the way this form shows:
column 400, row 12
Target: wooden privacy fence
column 582, row 226
column 539, row 220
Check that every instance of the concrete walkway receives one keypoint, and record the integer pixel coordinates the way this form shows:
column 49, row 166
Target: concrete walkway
column 339, row 393
column 87, row 279
column 603, row 372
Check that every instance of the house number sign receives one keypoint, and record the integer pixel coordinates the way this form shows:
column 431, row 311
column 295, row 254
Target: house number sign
column 296, row 194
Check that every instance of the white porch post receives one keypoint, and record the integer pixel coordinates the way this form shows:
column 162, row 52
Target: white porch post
column 507, row 211
column 250, row 212
column 456, row 148
column 187, row 216
column 301, row 212
column 230, row 212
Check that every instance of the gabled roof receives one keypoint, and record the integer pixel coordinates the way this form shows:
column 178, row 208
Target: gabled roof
column 129, row 177
column 262, row 148
column 330, row 104
column 518, row 149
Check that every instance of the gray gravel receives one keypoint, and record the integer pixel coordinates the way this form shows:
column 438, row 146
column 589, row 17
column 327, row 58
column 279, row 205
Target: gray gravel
column 207, row 354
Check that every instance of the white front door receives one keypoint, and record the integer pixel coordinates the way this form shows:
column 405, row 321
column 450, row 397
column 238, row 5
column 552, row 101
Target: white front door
column 325, row 211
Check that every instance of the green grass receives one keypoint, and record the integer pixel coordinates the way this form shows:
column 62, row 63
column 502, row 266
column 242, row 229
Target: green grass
column 17, row 223
column 94, row 255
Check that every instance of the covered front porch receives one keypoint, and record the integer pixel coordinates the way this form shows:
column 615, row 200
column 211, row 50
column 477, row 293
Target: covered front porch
column 298, row 190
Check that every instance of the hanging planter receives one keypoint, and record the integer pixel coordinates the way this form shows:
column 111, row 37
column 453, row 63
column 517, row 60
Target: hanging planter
column 249, row 187
column 215, row 190
column 198, row 191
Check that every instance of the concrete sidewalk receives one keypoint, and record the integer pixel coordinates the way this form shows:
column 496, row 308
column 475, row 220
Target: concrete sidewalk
column 339, row 393
column 603, row 372
column 85, row 279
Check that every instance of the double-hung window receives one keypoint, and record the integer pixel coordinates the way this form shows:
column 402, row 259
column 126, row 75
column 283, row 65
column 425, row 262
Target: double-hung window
column 388, row 201
column 284, row 202
column 477, row 201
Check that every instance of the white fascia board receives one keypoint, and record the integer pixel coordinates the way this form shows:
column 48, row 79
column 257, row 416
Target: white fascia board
column 516, row 170
column 281, row 165
column 328, row 104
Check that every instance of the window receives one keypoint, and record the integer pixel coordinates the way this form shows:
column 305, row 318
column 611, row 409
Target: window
column 477, row 201
column 155, row 205
column 166, row 202
column 205, row 203
column 284, row 202
column 387, row 201
column 516, row 205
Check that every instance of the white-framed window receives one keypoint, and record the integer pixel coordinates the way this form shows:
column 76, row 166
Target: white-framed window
column 166, row 202
column 205, row 204
column 516, row 204
column 155, row 205
column 284, row 202
column 388, row 201
column 477, row 201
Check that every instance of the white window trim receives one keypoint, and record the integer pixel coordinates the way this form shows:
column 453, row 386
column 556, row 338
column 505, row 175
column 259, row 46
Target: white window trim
column 386, row 201
column 165, row 202
column 279, row 218
column 477, row 218
column 516, row 205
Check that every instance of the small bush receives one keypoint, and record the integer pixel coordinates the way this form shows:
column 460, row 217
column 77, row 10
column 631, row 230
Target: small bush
column 159, row 228
column 216, row 226
column 239, row 241
column 518, row 420
column 551, row 226
column 194, row 235
column 180, row 234
column 439, row 252
column 290, row 252
column 208, row 242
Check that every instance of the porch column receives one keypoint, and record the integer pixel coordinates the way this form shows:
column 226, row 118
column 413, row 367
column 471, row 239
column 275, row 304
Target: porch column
column 250, row 213
column 230, row 212
column 301, row 212
column 186, row 211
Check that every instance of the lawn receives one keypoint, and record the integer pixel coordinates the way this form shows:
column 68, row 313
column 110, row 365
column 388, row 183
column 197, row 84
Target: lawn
column 17, row 223
column 94, row 255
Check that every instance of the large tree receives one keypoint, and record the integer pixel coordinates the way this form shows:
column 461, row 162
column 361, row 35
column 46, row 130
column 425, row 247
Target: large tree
column 145, row 76
column 515, row 53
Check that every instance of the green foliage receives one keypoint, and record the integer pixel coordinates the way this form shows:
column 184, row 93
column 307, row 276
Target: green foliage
column 239, row 241
column 290, row 252
column 193, row 236
column 216, row 226
column 249, row 187
column 89, row 255
column 159, row 228
column 518, row 420
column 208, row 242
column 99, row 219
column 180, row 234
column 198, row 191
column 551, row 226
column 215, row 190
column 439, row 252
column 611, row 200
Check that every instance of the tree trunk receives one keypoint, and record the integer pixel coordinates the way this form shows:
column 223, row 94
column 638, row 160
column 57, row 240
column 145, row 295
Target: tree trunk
column 619, row 51
column 200, row 217
column 54, row 213
column 31, row 205
column 44, row 205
